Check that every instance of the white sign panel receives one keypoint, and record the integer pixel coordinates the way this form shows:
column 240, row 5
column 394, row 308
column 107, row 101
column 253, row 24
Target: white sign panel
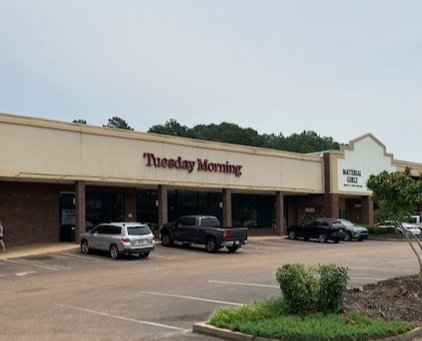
column 366, row 157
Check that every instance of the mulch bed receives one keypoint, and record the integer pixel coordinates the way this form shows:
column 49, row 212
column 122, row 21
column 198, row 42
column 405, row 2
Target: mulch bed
column 393, row 299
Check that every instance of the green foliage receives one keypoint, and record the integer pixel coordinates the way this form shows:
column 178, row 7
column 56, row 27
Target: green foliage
column 171, row 127
column 380, row 231
column 397, row 194
column 313, row 289
column 332, row 288
column 117, row 123
column 251, row 312
column 306, row 142
column 272, row 325
column 298, row 285
column 79, row 120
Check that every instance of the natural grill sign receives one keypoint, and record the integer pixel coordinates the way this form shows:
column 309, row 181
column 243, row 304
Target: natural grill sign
column 191, row 165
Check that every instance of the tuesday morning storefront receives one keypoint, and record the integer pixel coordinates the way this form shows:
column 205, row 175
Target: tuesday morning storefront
column 58, row 179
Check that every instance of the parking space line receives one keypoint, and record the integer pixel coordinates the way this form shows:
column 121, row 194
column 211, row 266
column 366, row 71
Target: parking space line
column 121, row 317
column 21, row 274
column 246, row 284
column 30, row 264
column 189, row 298
column 164, row 257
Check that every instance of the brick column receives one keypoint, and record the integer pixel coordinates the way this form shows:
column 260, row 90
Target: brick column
column 279, row 213
column 367, row 210
column 130, row 206
column 80, row 209
column 227, row 207
column 162, row 206
column 331, row 205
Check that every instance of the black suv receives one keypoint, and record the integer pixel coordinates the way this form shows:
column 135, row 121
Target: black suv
column 322, row 229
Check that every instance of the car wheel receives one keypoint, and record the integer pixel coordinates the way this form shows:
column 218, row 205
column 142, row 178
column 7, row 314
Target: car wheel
column 322, row 238
column 292, row 235
column 211, row 245
column 144, row 255
column 85, row 247
column 166, row 240
column 114, row 251
column 348, row 237
column 232, row 249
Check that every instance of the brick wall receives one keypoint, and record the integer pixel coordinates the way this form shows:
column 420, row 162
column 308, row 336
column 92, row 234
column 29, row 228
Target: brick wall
column 29, row 212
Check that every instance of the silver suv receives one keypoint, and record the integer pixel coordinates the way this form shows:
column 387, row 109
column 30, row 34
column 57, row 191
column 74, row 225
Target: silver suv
column 119, row 238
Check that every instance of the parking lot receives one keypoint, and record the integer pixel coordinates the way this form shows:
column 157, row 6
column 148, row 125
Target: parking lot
column 71, row 296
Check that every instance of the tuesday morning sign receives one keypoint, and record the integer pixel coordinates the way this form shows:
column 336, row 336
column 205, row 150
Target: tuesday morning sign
column 199, row 165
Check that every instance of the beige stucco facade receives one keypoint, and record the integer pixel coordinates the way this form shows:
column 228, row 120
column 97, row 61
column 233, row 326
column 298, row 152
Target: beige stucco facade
column 36, row 149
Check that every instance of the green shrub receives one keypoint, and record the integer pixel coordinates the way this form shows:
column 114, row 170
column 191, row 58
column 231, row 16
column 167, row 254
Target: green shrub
column 380, row 231
column 331, row 289
column 312, row 289
column 298, row 286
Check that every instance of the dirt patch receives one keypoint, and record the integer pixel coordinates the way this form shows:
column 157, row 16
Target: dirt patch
column 393, row 299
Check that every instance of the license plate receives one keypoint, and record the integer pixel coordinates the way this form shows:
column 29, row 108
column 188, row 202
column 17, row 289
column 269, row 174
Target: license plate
column 141, row 241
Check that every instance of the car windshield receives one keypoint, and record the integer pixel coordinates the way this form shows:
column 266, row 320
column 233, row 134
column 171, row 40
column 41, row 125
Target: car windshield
column 138, row 230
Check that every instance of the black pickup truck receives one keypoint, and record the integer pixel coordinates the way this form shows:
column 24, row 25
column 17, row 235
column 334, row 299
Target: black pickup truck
column 203, row 230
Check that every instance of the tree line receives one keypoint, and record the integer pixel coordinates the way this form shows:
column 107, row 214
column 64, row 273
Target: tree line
column 306, row 142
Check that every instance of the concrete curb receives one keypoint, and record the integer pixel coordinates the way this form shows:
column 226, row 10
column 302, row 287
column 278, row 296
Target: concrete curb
column 206, row 329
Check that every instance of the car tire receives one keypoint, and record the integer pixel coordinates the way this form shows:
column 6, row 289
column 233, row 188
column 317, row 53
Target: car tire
column 144, row 255
column 85, row 247
column 166, row 240
column 232, row 249
column 211, row 245
column 114, row 251
column 292, row 235
column 348, row 237
column 322, row 237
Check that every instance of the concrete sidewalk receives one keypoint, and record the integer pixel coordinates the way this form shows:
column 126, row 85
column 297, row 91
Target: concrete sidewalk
column 42, row 248
column 36, row 249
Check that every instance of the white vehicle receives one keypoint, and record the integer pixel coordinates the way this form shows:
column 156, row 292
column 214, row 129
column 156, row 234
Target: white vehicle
column 411, row 228
column 415, row 220
column 118, row 239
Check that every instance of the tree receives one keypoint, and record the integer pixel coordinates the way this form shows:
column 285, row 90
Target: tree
column 397, row 195
column 171, row 127
column 306, row 142
column 79, row 120
column 117, row 123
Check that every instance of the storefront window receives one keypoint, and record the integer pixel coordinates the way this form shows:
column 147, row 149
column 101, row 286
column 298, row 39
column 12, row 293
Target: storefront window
column 188, row 202
column 253, row 211
column 147, row 208
column 104, row 207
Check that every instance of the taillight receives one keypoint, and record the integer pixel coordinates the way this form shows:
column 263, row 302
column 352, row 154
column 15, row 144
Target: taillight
column 125, row 240
column 226, row 234
column 332, row 227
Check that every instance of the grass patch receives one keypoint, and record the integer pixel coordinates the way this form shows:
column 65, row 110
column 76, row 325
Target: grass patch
column 266, row 319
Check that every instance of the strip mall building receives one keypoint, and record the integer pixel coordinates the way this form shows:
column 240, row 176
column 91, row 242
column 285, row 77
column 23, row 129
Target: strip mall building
column 58, row 178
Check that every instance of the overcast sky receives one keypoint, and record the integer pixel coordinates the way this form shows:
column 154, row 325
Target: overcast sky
column 339, row 68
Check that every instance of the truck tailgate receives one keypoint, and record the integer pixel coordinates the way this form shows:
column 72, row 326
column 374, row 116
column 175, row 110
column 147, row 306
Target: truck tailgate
column 236, row 233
